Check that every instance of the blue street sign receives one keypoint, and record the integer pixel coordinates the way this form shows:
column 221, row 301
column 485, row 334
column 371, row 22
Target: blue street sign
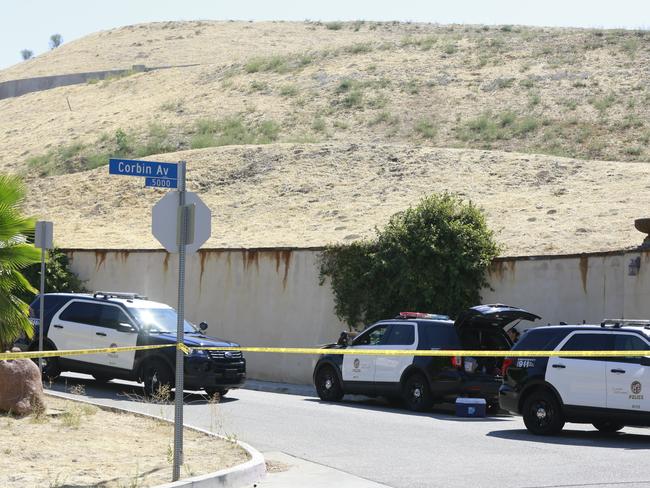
column 161, row 182
column 151, row 169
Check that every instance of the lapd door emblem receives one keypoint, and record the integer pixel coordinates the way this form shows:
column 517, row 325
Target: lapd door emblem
column 356, row 363
column 635, row 387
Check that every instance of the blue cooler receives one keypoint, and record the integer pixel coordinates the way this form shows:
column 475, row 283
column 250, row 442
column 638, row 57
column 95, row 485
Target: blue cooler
column 470, row 407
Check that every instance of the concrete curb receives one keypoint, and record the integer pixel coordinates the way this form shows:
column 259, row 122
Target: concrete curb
column 246, row 474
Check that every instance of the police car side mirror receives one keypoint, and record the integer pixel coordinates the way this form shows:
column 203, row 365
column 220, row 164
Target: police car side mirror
column 125, row 328
column 203, row 326
column 343, row 339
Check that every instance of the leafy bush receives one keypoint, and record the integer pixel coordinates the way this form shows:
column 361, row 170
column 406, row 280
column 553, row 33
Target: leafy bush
column 426, row 128
column 278, row 64
column 431, row 257
column 58, row 277
column 359, row 48
column 503, row 126
column 233, row 131
column 334, row 25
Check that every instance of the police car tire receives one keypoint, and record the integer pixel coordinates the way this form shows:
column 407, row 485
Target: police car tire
column 538, row 403
column 156, row 375
column 416, row 393
column 51, row 369
column 608, row 427
column 328, row 385
column 211, row 392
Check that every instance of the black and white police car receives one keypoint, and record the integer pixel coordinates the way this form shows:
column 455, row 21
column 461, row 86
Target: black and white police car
column 108, row 319
column 416, row 380
column 608, row 392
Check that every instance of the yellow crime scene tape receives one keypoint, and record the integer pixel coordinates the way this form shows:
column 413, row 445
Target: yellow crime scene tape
column 319, row 351
column 428, row 353
column 79, row 352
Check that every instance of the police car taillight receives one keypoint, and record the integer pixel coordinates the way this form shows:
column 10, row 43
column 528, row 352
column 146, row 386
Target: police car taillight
column 507, row 362
column 456, row 362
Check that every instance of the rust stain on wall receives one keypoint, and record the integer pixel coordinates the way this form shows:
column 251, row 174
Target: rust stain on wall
column 282, row 257
column 124, row 255
column 166, row 263
column 499, row 268
column 100, row 259
column 203, row 255
column 286, row 259
column 584, row 270
column 249, row 258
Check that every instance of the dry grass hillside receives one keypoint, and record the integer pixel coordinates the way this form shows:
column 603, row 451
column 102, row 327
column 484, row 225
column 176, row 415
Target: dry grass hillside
column 333, row 127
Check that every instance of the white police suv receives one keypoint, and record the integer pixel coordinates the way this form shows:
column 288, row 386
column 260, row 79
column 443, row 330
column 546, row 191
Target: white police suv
column 109, row 319
column 608, row 392
column 419, row 381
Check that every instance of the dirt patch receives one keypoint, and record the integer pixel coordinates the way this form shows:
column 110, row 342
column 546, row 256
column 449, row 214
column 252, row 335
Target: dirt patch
column 276, row 467
column 75, row 444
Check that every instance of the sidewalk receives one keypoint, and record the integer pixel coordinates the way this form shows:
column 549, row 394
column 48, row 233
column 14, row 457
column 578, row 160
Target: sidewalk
column 284, row 471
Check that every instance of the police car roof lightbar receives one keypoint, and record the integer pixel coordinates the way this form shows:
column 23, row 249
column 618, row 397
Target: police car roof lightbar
column 422, row 315
column 625, row 322
column 117, row 294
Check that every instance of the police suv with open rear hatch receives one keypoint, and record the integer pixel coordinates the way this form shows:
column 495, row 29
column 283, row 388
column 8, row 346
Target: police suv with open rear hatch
column 109, row 319
column 419, row 381
column 608, row 392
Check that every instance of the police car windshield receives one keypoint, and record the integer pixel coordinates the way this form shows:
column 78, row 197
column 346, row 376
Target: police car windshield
column 160, row 320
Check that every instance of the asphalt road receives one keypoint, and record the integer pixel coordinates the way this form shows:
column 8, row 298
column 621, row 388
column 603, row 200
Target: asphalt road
column 372, row 440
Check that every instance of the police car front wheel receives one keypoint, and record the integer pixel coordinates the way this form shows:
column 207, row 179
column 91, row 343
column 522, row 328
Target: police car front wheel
column 416, row 393
column 158, row 379
column 542, row 413
column 328, row 386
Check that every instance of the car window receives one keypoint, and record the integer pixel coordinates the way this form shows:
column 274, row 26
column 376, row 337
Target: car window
column 82, row 313
column 372, row 337
column 438, row 336
column 112, row 316
column 628, row 342
column 590, row 342
column 540, row 340
column 401, row 335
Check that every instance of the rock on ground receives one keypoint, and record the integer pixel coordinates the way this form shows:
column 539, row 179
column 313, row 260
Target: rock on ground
column 21, row 389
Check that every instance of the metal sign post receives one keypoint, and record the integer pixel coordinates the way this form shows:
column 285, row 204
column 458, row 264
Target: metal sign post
column 180, row 326
column 43, row 237
column 181, row 223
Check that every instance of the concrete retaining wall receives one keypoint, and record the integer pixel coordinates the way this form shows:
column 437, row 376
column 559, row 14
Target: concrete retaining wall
column 16, row 88
column 271, row 297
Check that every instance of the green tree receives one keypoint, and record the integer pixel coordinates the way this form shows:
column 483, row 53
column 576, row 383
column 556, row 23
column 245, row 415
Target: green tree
column 55, row 41
column 26, row 54
column 58, row 277
column 15, row 254
column 432, row 257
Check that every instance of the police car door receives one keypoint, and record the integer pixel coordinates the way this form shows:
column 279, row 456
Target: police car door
column 581, row 381
column 362, row 367
column 389, row 369
column 112, row 331
column 628, row 378
column 69, row 327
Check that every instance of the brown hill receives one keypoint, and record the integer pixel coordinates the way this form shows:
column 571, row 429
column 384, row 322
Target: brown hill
column 404, row 90
column 314, row 194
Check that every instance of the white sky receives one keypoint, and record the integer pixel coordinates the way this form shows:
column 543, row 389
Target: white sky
column 28, row 24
